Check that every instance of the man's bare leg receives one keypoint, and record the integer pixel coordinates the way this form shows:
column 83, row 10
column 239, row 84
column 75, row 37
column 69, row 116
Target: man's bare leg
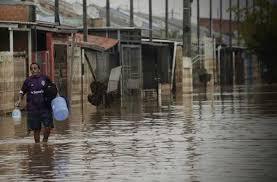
column 46, row 134
column 37, row 136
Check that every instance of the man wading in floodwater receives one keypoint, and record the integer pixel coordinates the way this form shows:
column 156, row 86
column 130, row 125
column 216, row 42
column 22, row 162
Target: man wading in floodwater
column 38, row 110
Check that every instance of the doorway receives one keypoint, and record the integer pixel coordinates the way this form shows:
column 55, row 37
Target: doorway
column 60, row 66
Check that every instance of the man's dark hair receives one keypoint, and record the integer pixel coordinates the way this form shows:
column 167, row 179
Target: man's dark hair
column 35, row 64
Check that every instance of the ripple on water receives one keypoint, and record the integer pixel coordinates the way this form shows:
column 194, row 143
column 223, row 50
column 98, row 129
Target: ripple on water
column 228, row 136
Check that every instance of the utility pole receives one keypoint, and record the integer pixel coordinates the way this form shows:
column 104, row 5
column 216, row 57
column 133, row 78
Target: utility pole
column 230, row 24
column 198, row 27
column 131, row 13
column 57, row 16
column 108, row 23
column 85, row 31
column 220, row 19
column 230, row 35
column 186, row 28
column 210, row 22
column 85, row 37
column 166, row 19
column 238, row 21
column 150, row 20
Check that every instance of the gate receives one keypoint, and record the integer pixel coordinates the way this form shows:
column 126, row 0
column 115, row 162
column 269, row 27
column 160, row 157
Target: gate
column 131, row 77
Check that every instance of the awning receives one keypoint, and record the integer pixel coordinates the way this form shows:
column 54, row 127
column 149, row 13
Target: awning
column 95, row 42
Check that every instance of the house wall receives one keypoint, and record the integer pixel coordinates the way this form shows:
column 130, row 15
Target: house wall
column 12, row 75
column 6, row 81
column 13, row 12
column 75, row 76
column 50, row 48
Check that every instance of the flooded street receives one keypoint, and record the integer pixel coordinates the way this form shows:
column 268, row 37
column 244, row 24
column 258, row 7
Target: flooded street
column 228, row 135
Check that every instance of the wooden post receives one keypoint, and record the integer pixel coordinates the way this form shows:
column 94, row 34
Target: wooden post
column 198, row 27
column 210, row 22
column 220, row 20
column 85, row 34
column 82, row 83
column 166, row 19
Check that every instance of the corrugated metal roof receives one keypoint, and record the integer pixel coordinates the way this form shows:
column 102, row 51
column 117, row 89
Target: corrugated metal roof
column 96, row 42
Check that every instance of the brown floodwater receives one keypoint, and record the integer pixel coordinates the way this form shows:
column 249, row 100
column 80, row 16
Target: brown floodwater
column 229, row 134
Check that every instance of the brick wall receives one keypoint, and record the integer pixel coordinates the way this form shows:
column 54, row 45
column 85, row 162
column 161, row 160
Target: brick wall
column 15, row 13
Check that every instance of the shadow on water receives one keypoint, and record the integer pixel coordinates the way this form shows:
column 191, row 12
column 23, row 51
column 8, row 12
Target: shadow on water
column 226, row 134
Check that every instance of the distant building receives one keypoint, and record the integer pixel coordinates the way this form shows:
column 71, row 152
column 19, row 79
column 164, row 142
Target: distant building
column 205, row 22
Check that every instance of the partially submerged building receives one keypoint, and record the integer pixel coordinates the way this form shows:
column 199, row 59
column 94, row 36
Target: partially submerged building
column 108, row 55
column 58, row 49
column 148, row 67
column 128, row 55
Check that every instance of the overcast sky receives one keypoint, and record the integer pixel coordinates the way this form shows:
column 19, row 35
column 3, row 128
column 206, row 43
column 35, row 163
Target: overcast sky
column 175, row 6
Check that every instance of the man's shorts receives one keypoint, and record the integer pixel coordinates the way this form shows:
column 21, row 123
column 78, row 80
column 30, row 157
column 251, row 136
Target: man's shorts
column 36, row 118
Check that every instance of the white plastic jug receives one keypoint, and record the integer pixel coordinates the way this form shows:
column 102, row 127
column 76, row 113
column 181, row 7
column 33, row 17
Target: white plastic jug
column 16, row 115
column 59, row 108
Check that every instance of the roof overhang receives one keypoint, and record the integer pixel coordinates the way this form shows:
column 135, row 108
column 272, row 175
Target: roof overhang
column 159, row 42
column 95, row 42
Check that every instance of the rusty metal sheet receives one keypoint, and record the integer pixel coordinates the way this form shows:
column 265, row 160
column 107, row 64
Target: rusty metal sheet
column 97, row 42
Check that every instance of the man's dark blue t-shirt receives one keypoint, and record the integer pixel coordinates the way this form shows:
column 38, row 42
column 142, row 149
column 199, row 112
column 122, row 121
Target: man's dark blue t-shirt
column 34, row 87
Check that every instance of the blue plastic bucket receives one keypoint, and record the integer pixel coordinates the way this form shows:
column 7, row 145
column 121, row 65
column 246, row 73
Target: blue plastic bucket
column 59, row 108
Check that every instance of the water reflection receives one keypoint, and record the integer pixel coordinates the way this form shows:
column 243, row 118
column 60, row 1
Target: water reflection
column 229, row 134
column 39, row 162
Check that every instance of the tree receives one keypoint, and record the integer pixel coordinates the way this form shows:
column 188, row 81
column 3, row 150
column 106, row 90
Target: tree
column 259, row 31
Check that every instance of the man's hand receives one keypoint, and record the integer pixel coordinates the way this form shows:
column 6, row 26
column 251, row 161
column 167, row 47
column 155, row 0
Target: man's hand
column 18, row 103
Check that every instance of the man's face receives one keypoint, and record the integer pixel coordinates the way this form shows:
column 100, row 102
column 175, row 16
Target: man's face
column 34, row 69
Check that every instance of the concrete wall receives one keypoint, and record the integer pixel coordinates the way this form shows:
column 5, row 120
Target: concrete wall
column 187, row 75
column 209, row 59
column 183, row 73
column 179, row 70
column 12, row 75
column 6, row 81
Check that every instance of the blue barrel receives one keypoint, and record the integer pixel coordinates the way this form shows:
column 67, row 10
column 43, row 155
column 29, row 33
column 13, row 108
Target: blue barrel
column 59, row 108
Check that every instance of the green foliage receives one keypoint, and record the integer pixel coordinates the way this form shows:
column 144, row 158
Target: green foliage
column 259, row 31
